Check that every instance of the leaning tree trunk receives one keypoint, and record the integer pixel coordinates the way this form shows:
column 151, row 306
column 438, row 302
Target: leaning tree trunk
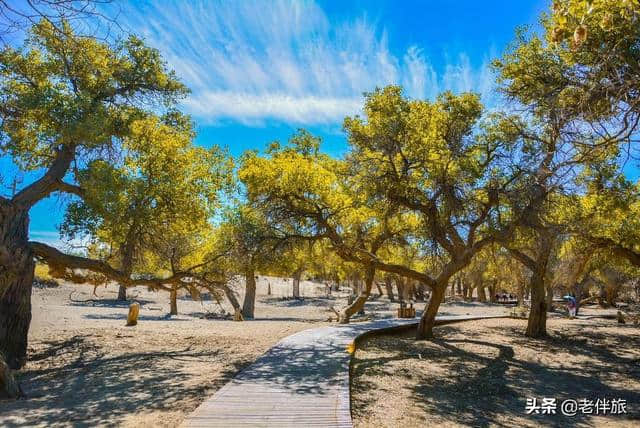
column 380, row 293
column 16, row 278
column 358, row 303
column 388, row 285
column 231, row 297
column 173, row 297
column 248, row 306
column 296, row 283
column 428, row 319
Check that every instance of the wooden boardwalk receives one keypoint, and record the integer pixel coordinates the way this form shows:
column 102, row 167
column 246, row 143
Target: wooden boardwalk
column 303, row 381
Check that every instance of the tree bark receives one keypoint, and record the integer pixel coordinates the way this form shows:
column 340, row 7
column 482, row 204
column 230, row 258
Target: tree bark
column 248, row 306
column 122, row 293
column 549, row 297
column 173, row 297
column 296, row 283
column 358, row 303
column 537, row 323
column 427, row 321
column 492, row 292
column 388, row 285
column 16, row 278
column 400, row 285
column 380, row 293
column 520, row 294
column 482, row 296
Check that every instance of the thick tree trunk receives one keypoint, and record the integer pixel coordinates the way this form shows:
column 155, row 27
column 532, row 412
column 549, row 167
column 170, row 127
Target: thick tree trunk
column 248, row 306
column 297, row 275
column 16, row 279
column 427, row 321
column 459, row 286
column 358, row 303
column 122, row 293
column 388, row 285
column 537, row 323
column 173, row 297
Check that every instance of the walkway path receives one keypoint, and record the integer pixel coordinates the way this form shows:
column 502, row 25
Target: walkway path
column 302, row 381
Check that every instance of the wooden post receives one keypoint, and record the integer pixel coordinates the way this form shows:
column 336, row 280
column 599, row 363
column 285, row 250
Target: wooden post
column 132, row 318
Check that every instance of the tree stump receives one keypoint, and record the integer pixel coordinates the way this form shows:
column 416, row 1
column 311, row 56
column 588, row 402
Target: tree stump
column 132, row 318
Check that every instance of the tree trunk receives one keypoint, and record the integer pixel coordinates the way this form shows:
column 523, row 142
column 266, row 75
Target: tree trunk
column 231, row 297
column 248, row 306
column 482, row 296
column 466, row 295
column 122, row 293
column 380, row 293
column 400, row 285
column 16, row 279
column 459, row 286
column 520, row 294
column 427, row 321
column 358, row 303
column 453, row 289
column 611, row 296
column 492, row 292
column 549, row 298
column 537, row 324
column 173, row 297
column 296, row 283
column 388, row 285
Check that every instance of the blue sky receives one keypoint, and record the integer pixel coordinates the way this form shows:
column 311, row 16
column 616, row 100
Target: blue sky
column 258, row 70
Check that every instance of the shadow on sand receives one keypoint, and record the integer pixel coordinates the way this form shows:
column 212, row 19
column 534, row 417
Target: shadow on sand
column 92, row 389
column 473, row 397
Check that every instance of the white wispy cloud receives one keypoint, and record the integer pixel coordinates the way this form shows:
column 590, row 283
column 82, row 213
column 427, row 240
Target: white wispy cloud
column 251, row 61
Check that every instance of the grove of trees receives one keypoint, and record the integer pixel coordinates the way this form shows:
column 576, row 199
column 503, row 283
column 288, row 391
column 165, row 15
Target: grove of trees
column 528, row 197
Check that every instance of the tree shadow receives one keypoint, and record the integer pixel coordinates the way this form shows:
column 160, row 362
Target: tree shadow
column 165, row 317
column 95, row 389
column 109, row 303
column 290, row 302
column 479, row 386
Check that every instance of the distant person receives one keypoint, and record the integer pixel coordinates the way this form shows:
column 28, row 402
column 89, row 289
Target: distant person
column 571, row 306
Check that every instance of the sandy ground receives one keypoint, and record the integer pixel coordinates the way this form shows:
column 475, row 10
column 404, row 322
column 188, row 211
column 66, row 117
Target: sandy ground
column 86, row 368
column 480, row 373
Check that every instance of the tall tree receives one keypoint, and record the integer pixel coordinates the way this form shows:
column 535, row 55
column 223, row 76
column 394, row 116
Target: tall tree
column 422, row 159
column 65, row 101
